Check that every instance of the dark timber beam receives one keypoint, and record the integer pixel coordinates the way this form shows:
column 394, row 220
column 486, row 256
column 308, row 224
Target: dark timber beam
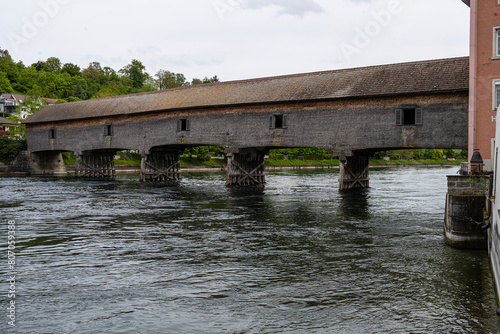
column 96, row 164
column 246, row 168
column 354, row 171
column 162, row 166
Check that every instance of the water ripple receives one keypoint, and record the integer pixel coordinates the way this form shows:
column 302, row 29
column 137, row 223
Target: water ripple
column 294, row 257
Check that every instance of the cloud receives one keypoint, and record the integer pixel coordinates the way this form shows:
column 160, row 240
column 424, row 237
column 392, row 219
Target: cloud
column 298, row 8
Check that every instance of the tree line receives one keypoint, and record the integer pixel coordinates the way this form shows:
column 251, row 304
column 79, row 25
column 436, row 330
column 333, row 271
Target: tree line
column 68, row 82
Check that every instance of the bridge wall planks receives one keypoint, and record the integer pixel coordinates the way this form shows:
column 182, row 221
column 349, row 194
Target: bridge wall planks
column 343, row 126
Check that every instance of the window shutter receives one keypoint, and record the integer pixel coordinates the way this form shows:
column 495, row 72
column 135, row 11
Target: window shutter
column 418, row 116
column 179, row 125
column 188, row 125
column 284, row 122
column 271, row 122
column 399, row 116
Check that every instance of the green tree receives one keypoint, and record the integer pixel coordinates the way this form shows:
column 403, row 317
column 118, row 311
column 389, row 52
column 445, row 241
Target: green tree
column 167, row 79
column 8, row 66
column 211, row 80
column 111, row 89
column 53, row 65
column 196, row 81
column 9, row 149
column 71, row 69
column 39, row 66
column 450, row 154
column 110, row 74
column 5, row 86
column 94, row 72
column 438, row 154
column 26, row 80
column 78, row 92
column 206, row 80
column 135, row 71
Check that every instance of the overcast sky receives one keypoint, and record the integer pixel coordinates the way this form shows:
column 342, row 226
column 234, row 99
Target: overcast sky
column 235, row 39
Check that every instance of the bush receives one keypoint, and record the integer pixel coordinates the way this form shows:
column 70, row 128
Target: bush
column 9, row 149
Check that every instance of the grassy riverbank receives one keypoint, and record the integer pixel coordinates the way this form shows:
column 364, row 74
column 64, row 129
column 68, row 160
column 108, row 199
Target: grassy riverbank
column 132, row 159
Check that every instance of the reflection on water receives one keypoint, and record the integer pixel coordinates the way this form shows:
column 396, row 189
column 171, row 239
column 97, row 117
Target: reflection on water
column 294, row 257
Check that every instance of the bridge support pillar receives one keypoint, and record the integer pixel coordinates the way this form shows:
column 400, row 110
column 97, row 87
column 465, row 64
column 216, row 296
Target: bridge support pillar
column 161, row 166
column 465, row 224
column 246, row 168
column 38, row 163
column 96, row 164
column 354, row 172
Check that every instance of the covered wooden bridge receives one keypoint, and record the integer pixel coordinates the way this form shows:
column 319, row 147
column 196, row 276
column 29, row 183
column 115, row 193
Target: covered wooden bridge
column 352, row 112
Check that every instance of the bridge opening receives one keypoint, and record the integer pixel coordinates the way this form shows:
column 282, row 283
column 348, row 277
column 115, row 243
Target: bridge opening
column 183, row 125
column 108, row 130
column 409, row 116
column 52, row 134
column 278, row 122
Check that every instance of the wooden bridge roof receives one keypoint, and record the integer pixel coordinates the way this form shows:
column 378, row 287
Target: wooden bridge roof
column 423, row 77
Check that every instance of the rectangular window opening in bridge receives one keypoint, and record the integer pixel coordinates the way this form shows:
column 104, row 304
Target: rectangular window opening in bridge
column 52, row 134
column 183, row 125
column 108, row 130
column 409, row 116
column 278, row 122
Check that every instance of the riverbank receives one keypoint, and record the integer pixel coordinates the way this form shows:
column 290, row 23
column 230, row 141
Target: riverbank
column 188, row 169
column 135, row 168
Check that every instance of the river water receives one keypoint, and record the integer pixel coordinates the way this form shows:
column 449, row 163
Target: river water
column 294, row 257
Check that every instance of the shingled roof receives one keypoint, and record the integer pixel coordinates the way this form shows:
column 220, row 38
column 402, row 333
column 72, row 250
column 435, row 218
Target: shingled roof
column 434, row 76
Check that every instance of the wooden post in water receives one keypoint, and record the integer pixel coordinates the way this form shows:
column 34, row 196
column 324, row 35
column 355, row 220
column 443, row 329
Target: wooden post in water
column 161, row 166
column 354, row 172
column 246, row 168
column 96, row 164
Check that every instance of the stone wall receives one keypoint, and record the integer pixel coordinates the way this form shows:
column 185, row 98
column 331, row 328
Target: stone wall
column 35, row 163
column 466, row 211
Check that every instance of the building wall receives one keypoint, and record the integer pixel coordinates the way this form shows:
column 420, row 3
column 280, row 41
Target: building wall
column 342, row 126
column 485, row 68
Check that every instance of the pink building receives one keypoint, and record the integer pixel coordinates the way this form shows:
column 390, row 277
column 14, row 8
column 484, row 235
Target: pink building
column 484, row 93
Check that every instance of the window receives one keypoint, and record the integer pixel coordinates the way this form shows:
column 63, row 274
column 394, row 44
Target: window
column 277, row 122
column 108, row 130
column 496, row 94
column 52, row 134
column 409, row 116
column 496, row 42
column 183, row 125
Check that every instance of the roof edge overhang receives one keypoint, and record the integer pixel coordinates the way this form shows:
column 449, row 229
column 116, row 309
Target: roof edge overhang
column 288, row 102
column 467, row 2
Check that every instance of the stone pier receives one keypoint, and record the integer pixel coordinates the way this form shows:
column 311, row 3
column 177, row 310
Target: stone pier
column 466, row 211
column 47, row 163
